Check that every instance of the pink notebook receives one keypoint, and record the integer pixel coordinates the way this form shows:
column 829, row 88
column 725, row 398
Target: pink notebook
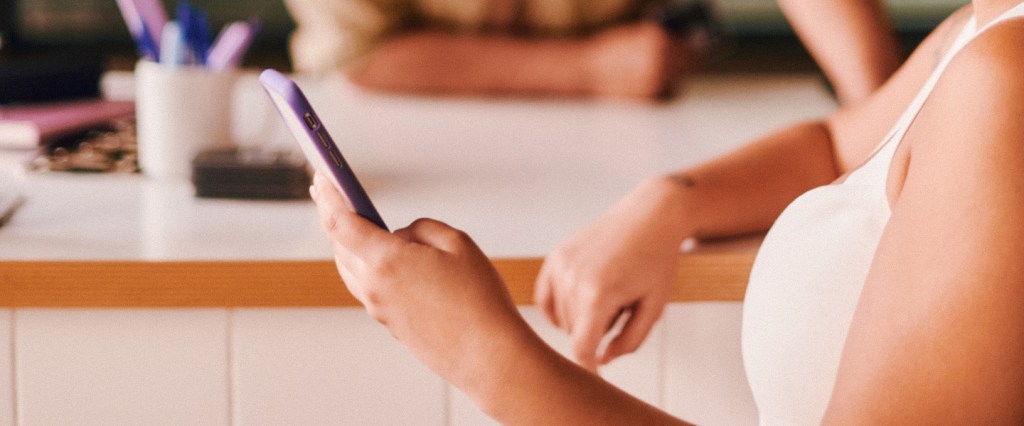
column 31, row 126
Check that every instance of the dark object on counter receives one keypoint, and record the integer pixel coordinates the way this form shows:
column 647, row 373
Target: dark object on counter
column 250, row 173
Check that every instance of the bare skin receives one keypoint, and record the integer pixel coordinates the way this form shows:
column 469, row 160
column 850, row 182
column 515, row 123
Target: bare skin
column 462, row 322
column 631, row 59
column 852, row 40
column 636, row 60
column 936, row 336
column 783, row 165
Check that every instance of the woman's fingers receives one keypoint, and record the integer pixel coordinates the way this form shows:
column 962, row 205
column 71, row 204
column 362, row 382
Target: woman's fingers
column 350, row 232
column 343, row 225
column 588, row 331
column 642, row 318
column 438, row 235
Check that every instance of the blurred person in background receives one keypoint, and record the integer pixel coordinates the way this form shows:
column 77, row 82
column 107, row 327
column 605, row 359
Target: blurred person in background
column 559, row 47
column 613, row 48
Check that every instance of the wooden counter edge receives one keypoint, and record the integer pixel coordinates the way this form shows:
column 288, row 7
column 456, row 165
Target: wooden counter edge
column 197, row 284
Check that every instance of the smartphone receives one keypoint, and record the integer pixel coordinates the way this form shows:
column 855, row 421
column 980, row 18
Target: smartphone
column 317, row 145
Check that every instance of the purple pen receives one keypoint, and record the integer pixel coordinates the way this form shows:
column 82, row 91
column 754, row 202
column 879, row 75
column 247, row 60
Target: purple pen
column 230, row 46
column 154, row 16
column 140, row 29
column 131, row 16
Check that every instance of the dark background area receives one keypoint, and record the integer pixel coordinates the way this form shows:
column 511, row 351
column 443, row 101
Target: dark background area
column 95, row 28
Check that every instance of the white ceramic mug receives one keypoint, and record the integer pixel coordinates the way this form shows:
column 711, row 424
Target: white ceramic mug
column 179, row 112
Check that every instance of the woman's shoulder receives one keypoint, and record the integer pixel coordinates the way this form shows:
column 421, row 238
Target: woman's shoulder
column 998, row 51
column 991, row 67
column 976, row 106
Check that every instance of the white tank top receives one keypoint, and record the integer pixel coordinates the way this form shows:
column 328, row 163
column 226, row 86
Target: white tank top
column 809, row 273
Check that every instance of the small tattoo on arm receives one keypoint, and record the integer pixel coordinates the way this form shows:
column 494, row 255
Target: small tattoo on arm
column 685, row 180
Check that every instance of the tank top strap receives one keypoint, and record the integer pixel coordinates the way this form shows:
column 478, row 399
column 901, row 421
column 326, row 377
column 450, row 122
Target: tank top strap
column 879, row 161
column 1014, row 12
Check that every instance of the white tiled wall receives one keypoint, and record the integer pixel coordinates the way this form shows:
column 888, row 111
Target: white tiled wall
column 316, row 366
column 313, row 366
column 152, row 367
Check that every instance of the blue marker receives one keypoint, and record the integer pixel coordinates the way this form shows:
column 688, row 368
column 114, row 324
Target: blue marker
column 200, row 35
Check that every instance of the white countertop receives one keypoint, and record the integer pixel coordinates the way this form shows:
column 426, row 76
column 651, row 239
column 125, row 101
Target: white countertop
column 518, row 175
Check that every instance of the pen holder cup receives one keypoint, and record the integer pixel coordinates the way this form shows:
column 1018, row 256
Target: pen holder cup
column 180, row 111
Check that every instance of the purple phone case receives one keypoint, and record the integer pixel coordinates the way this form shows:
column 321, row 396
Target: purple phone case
column 314, row 135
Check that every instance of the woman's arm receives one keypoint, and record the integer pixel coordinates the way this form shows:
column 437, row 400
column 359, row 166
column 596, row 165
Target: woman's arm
column 437, row 294
column 632, row 60
column 938, row 335
column 625, row 261
column 852, row 40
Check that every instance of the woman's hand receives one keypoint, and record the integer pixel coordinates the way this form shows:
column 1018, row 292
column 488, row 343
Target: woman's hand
column 429, row 284
column 624, row 263
column 637, row 60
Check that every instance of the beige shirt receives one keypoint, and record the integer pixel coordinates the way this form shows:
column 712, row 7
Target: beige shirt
column 335, row 34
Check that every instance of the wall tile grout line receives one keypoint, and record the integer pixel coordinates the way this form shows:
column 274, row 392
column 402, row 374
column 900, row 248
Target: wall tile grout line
column 14, row 370
column 231, row 371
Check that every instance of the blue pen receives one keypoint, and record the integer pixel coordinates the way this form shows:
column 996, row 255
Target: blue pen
column 184, row 14
column 200, row 35
column 172, row 48
column 147, row 44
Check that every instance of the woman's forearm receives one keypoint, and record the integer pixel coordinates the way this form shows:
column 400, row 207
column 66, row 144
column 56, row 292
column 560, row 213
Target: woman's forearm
column 624, row 61
column 745, row 191
column 852, row 40
column 528, row 383
column 432, row 61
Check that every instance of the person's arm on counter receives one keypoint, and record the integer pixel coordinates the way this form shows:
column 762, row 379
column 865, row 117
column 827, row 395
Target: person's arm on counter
column 853, row 42
column 392, row 45
column 624, row 262
column 633, row 60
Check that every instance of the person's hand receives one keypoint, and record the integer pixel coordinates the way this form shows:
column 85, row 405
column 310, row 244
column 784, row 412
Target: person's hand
column 429, row 284
column 624, row 263
column 637, row 60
